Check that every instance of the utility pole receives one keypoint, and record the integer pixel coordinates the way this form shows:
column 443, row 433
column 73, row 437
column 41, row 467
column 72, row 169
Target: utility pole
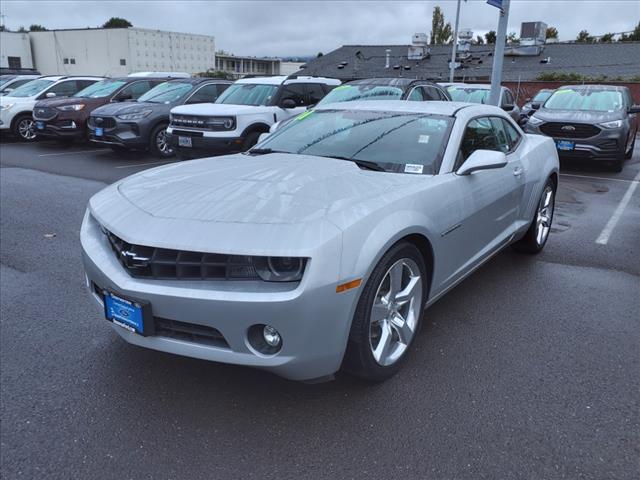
column 498, row 54
column 452, row 65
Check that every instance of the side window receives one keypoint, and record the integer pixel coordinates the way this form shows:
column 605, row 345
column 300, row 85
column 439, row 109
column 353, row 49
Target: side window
column 205, row 94
column 507, row 98
column 432, row 93
column 294, row 91
column 221, row 87
column 134, row 90
column 416, row 95
column 512, row 135
column 479, row 135
column 315, row 92
column 82, row 84
column 64, row 89
column 501, row 134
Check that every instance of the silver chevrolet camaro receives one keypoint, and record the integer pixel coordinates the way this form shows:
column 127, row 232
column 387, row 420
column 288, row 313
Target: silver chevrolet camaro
column 320, row 248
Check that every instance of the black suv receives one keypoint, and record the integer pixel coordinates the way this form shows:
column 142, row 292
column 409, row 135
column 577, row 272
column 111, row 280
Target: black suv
column 142, row 124
column 589, row 122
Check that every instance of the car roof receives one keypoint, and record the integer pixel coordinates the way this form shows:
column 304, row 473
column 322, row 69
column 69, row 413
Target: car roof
column 594, row 87
column 280, row 79
column 391, row 81
column 402, row 106
column 56, row 78
column 194, row 80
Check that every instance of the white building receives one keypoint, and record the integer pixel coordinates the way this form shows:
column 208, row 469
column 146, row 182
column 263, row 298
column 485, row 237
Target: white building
column 287, row 68
column 120, row 51
column 15, row 51
column 239, row 66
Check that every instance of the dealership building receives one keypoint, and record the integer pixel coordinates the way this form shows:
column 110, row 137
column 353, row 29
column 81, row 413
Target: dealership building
column 15, row 50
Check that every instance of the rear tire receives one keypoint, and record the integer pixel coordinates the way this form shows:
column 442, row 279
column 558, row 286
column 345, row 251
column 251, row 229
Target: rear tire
column 388, row 315
column 536, row 237
column 629, row 154
column 158, row 145
column 25, row 128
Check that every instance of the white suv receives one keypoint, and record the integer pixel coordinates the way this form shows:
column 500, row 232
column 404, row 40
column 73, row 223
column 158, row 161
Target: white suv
column 16, row 108
column 242, row 112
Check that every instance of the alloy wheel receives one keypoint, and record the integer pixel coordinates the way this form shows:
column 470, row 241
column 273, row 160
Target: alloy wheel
column 161, row 143
column 544, row 215
column 395, row 312
column 26, row 129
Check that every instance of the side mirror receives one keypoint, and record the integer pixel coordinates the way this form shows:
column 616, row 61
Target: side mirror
column 482, row 160
column 50, row 95
column 263, row 136
column 123, row 97
column 535, row 106
column 288, row 103
column 634, row 109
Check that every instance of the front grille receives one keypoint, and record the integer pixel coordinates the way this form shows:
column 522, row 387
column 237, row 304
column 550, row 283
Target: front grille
column 569, row 130
column 203, row 123
column 44, row 113
column 163, row 263
column 104, row 122
column 189, row 332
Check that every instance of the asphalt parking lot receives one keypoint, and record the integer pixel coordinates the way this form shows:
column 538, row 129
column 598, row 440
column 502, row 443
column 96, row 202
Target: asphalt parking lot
column 528, row 369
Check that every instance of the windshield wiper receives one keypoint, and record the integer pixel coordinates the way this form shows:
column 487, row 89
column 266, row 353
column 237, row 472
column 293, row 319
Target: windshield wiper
column 264, row 151
column 366, row 164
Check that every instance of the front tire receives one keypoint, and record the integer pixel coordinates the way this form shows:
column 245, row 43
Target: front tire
column 25, row 128
column 158, row 145
column 629, row 154
column 536, row 237
column 388, row 314
column 250, row 140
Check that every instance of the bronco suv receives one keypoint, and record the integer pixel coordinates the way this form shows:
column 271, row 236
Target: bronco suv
column 245, row 110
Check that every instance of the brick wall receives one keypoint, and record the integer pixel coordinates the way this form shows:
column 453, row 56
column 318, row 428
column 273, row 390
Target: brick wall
column 528, row 89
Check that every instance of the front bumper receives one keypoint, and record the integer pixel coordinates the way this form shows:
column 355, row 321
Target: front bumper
column 123, row 134
column 203, row 144
column 313, row 320
column 608, row 145
column 5, row 119
column 60, row 129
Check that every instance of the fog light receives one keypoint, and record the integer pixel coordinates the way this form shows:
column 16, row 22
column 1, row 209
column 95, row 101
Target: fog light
column 271, row 336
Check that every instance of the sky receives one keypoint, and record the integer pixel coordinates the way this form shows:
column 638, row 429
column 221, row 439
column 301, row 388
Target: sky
column 291, row 28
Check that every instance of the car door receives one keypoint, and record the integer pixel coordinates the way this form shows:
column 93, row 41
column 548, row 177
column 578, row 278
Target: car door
column 488, row 202
column 295, row 92
column 508, row 104
column 205, row 94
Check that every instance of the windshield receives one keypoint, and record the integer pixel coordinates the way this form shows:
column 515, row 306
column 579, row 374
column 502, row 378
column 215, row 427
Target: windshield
column 542, row 96
column 100, row 89
column 5, row 78
column 397, row 142
column 167, row 92
column 350, row 93
column 468, row 94
column 248, row 94
column 585, row 100
column 31, row 89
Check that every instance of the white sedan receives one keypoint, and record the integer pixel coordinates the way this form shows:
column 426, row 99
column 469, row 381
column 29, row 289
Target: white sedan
column 321, row 247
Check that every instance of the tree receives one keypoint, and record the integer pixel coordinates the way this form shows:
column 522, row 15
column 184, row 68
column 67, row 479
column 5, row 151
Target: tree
column 440, row 32
column 584, row 37
column 22, row 29
column 37, row 28
column 606, row 38
column 490, row 36
column 216, row 74
column 552, row 32
column 320, row 54
column 2, row 28
column 479, row 40
column 117, row 22
column 635, row 36
column 513, row 38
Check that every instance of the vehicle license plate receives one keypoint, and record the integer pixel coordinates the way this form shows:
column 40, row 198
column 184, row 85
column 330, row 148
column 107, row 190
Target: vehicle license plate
column 128, row 314
column 99, row 131
column 565, row 145
column 40, row 125
column 184, row 142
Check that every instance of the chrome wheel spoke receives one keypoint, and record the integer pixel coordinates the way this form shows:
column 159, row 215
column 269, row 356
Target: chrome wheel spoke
column 544, row 215
column 379, row 312
column 407, row 293
column 395, row 277
column 402, row 328
column 381, row 351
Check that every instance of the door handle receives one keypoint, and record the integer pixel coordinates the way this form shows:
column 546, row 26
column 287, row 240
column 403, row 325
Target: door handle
column 517, row 171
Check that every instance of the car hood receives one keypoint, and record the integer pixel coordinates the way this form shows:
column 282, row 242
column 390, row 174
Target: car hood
column 219, row 109
column 577, row 116
column 59, row 102
column 266, row 189
column 111, row 109
column 4, row 100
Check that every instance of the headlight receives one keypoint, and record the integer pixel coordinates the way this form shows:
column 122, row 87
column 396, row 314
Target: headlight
column 7, row 106
column 71, row 108
column 279, row 269
column 533, row 120
column 226, row 123
column 135, row 115
column 612, row 124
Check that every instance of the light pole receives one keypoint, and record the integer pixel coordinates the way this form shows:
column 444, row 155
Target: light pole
column 498, row 54
column 452, row 65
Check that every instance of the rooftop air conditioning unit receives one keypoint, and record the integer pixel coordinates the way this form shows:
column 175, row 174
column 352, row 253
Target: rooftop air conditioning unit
column 419, row 48
column 532, row 37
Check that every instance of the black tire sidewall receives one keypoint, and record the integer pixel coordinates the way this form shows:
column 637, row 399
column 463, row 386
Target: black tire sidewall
column 16, row 131
column 528, row 243
column 250, row 140
column 153, row 145
column 359, row 358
